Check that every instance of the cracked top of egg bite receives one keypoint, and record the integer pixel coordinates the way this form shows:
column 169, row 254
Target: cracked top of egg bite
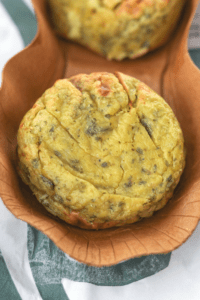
column 101, row 150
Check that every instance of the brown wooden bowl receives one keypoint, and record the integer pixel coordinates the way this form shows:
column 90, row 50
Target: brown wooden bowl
column 170, row 72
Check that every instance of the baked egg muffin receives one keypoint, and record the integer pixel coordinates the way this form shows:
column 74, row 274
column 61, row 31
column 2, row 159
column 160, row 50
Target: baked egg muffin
column 101, row 150
column 116, row 29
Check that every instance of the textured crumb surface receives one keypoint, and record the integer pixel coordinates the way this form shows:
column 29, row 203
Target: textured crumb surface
column 116, row 29
column 101, row 150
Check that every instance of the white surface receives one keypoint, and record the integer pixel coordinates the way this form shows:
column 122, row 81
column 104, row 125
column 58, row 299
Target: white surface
column 10, row 39
column 194, row 34
column 13, row 245
column 28, row 3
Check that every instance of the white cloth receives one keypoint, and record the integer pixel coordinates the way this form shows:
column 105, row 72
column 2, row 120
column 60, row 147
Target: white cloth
column 10, row 40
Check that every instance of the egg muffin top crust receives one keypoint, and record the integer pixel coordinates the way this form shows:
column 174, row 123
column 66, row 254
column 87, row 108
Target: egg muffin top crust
column 116, row 29
column 101, row 150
